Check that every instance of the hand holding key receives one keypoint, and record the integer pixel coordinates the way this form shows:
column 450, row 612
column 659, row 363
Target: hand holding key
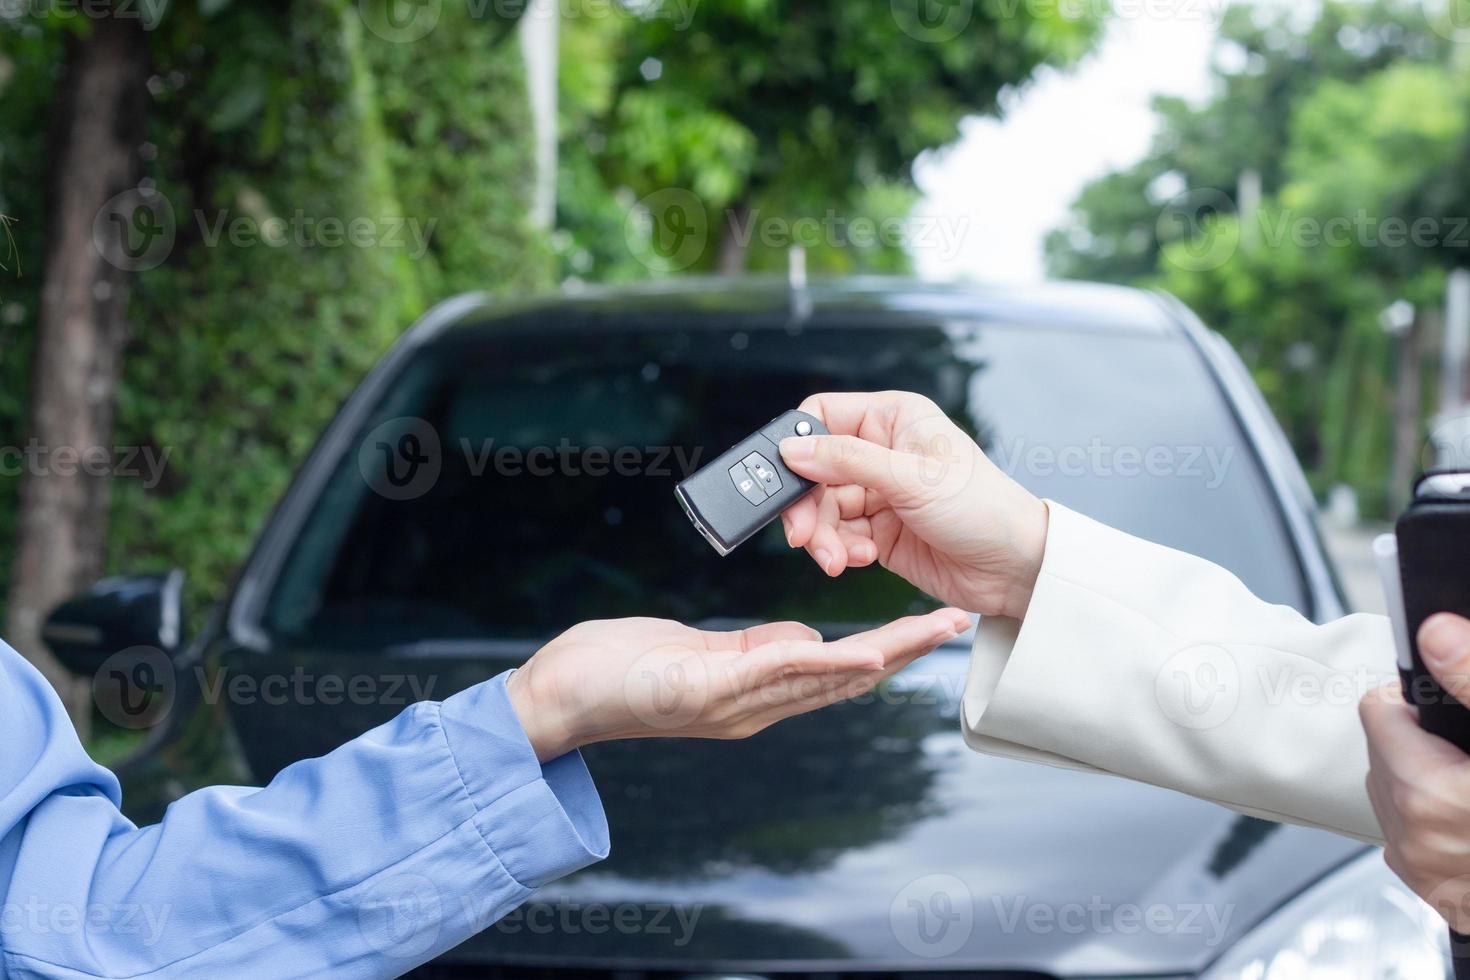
column 906, row 487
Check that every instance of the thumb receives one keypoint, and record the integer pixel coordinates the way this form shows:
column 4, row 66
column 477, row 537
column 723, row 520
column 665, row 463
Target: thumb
column 1444, row 644
column 839, row 460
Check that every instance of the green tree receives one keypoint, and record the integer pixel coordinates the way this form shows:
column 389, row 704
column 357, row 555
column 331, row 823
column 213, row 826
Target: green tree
column 1355, row 124
column 775, row 109
column 1264, row 66
column 267, row 123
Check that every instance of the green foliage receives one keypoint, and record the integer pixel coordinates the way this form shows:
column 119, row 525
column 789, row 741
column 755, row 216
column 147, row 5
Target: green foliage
column 782, row 109
column 457, row 142
column 1265, row 66
column 28, row 58
column 268, row 123
column 1359, row 125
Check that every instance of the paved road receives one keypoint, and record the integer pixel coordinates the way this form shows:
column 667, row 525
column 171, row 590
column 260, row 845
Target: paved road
column 1351, row 548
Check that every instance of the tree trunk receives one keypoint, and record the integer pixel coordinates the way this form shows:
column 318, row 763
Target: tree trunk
column 734, row 239
column 62, row 517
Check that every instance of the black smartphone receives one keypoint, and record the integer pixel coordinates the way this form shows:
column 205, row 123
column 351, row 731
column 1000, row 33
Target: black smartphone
column 1434, row 572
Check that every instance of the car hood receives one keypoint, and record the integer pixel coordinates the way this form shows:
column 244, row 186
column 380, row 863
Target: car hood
column 869, row 836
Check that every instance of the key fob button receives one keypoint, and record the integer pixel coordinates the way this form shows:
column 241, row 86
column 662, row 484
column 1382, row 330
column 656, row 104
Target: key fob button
column 749, row 486
column 760, row 468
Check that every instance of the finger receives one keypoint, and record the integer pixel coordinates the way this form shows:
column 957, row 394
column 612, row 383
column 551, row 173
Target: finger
column 766, row 663
column 1444, row 644
column 914, row 633
column 800, row 519
column 837, row 460
column 851, row 501
column 826, row 547
column 1396, row 741
column 861, row 551
column 754, row 636
column 859, row 412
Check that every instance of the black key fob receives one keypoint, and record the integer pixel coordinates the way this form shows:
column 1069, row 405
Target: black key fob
column 1433, row 542
column 747, row 487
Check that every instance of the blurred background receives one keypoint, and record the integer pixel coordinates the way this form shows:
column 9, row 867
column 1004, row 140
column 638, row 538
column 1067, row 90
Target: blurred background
column 218, row 214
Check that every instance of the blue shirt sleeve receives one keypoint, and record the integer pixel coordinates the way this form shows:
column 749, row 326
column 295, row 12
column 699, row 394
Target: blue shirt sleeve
column 364, row 863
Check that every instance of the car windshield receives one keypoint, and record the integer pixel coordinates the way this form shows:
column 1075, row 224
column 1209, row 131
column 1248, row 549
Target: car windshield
column 533, row 471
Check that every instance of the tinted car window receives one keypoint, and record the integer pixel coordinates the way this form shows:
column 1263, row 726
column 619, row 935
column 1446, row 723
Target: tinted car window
column 535, row 471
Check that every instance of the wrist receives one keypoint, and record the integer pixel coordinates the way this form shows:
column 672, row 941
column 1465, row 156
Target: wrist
column 541, row 716
column 1029, row 541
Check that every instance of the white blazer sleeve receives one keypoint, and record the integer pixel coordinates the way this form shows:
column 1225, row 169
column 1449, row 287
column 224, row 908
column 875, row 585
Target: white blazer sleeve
column 1148, row 663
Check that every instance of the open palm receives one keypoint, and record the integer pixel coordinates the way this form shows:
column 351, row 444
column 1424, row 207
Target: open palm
column 637, row 678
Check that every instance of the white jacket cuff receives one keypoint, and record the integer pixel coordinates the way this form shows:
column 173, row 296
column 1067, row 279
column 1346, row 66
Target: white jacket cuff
column 1145, row 662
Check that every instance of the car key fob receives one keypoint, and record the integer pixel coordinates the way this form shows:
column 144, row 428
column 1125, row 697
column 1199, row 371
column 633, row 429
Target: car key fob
column 747, row 487
column 1433, row 539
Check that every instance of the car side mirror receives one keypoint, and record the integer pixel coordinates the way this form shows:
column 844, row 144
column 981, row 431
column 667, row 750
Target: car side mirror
column 114, row 615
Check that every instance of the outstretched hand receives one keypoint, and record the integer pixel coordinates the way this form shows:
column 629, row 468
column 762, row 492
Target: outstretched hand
column 641, row 678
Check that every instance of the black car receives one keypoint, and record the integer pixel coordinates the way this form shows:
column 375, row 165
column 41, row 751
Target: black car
column 508, row 470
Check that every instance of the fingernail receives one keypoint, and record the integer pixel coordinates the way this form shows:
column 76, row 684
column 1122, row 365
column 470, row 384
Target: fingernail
column 864, row 551
column 798, row 448
column 1443, row 640
column 824, row 558
column 786, row 528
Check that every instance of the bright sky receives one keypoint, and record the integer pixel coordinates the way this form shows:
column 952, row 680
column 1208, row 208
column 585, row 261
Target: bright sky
column 991, row 198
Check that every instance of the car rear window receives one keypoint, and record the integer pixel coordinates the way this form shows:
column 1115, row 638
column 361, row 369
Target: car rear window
column 535, row 470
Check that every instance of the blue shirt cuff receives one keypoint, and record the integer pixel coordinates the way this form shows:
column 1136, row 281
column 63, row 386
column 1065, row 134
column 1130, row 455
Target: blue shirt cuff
column 542, row 821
